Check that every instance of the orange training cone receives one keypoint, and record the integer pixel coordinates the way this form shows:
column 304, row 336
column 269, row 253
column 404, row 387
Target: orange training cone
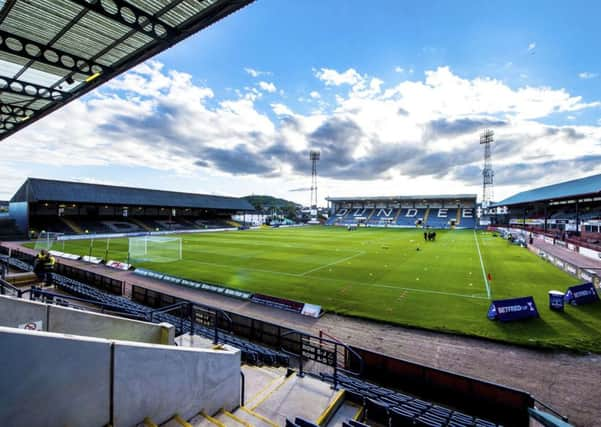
column 489, row 276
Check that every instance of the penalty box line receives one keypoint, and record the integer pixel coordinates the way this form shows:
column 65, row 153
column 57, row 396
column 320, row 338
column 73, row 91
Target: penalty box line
column 331, row 263
column 482, row 265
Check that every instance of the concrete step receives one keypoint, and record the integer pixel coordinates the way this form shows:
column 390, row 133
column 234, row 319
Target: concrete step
column 201, row 420
column 253, row 418
column 230, row 419
column 347, row 410
column 176, row 421
column 306, row 397
column 259, row 382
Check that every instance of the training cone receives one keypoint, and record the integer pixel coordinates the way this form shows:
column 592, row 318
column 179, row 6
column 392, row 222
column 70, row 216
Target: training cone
column 489, row 276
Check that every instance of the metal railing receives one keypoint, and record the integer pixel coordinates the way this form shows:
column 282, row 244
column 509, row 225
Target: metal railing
column 324, row 351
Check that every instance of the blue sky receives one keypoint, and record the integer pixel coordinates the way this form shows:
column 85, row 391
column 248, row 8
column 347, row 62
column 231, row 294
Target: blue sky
column 393, row 95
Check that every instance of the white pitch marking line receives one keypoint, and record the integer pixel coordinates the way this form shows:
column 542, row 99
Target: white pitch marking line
column 429, row 291
column 482, row 265
column 332, row 263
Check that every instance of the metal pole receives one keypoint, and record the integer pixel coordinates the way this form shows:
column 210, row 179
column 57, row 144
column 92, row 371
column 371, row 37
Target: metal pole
column 216, row 336
column 191, row 315
column 300, row 359
column 335, row 385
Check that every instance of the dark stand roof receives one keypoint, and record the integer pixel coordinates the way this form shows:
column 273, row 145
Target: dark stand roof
column 590, row 185
column 45, row 190
column 54, row 51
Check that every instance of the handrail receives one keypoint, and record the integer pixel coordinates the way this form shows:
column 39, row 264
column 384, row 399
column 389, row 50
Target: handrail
column 242, row 387
column 544, row 405
column 4, row 284
column 350, row 350
column 36, row 292
column 299, row 356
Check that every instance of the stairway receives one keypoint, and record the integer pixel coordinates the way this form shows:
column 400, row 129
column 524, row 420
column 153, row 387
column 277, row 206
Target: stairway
column 140, row 224
column 458, row 220
column 74, row 227
column 373, row 211
column 398, row 214
column 272, row 395
column 425, row 220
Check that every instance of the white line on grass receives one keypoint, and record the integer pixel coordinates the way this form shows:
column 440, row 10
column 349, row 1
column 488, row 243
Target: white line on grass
column 482, row 265
column 332, row 263
column 426, row 291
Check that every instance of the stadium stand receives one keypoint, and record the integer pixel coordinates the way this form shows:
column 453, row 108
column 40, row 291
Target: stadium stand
column 567, row 211
column 76, row 208
column 437, row 211
column 251, row 353
column 388, row 407
column 9, row 229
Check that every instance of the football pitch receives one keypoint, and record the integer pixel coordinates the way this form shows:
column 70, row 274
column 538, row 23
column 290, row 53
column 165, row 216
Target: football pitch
column 389, row 275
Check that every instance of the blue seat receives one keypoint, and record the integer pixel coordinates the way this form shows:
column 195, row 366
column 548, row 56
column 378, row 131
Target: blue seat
column 301, row 422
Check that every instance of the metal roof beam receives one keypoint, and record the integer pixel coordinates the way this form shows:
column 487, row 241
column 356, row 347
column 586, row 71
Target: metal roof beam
column 20, row 46
column 130, row 16
column 31, row 90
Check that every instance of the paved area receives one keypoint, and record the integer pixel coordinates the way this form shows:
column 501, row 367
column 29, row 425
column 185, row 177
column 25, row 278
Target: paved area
column 572, row 257
column 568, row 382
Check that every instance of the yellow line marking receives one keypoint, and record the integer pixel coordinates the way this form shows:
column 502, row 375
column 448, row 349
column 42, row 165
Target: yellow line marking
column 92, row 77
column 272, row 391
column 265, row 389
column 259, row 416
column 358, row 414
column 329, row 411
column 181, row 421
column 149, row 423
column 212, row 420
column 238, row 420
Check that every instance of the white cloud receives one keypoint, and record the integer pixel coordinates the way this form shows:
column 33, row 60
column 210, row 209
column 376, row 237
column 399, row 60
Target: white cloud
column 334, row 78
column 399, row 69
column 267, row 86
column 314, row 94
column 531, row 46
column 256, row 73
column 375, row 138
column 587, row 75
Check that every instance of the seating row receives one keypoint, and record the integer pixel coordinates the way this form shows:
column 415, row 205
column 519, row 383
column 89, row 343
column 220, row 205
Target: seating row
column 396, row 409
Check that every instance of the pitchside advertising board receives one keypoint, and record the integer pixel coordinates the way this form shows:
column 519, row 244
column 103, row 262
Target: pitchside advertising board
column 581, row 294
column 508, row 310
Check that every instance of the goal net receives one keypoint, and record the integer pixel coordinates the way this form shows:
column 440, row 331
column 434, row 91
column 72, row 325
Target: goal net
column 48, row 240
column 155, row 249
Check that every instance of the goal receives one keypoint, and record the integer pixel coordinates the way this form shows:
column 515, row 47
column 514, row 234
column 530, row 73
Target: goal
column 49, row 240
column 155, row 249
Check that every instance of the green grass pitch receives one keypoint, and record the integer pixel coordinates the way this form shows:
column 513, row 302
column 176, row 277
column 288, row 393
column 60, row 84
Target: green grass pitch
column 379, row 274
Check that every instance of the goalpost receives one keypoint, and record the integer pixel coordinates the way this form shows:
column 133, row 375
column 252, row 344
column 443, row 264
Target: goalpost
column 48, row 240
column 155, row 249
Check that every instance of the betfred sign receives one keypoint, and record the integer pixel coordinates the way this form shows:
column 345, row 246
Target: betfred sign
column 581, row 294
column 508, row 310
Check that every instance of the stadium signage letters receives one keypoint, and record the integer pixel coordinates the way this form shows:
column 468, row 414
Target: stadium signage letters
column 581, row 294
column 512, row 309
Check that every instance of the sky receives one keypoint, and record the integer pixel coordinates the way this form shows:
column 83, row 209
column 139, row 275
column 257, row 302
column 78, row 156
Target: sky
column 393, row 95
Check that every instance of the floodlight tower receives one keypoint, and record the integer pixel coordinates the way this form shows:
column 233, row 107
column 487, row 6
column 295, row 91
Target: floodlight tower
column 314, row 156
column 486, row 139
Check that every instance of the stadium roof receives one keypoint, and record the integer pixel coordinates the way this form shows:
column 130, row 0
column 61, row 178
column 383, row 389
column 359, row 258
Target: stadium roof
column 578, row 187
column 45, row 190
column 54, row 51
column 396, row 198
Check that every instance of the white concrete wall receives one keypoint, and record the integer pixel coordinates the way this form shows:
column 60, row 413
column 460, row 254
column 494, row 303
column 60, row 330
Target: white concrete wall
column 17, row 311
column 56, row 380
column 71, row 321
column 159, row 381
column 52, row 380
